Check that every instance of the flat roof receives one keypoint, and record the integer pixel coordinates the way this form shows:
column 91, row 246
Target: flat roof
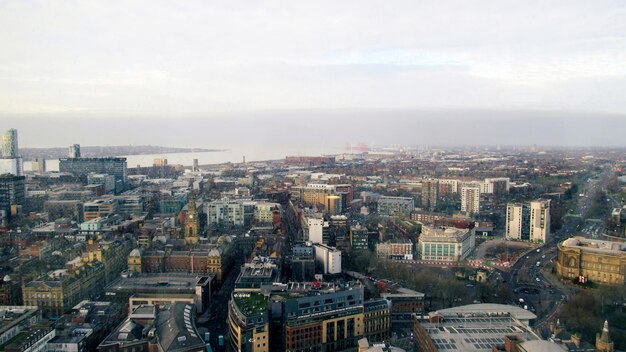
column 485, row 309
column 595, row 245
column 475, row 333
column 156, row 283
column 13, row 315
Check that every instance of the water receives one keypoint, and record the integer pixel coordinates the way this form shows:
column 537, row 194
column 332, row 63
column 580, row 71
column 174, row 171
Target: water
column 254, row 153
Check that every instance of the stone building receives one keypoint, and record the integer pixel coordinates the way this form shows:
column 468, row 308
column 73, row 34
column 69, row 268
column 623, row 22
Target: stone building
column 592, row 260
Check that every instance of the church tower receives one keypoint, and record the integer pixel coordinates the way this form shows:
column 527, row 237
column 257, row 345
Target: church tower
column 192, row 223
column 603, row 340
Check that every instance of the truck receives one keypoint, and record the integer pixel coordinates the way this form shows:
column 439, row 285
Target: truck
column 207, row 337
column 220, row 340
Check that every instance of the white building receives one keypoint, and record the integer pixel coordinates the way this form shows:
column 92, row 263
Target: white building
column 449, row 185
column 528, row 222
column 445, row 244
column 225, row 213
column 316, row 229
column 540, row 220
column 264, row 211
column 515, row 227
column 497, row 185
column 102, row 179
column 9, row 144
column 470, row 200
column 11, row 166
column 328, row 259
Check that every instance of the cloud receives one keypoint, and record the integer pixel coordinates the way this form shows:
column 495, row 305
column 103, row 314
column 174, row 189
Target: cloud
column 174, row 58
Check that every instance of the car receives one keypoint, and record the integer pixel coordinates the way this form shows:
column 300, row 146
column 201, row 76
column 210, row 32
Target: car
column 538, row 279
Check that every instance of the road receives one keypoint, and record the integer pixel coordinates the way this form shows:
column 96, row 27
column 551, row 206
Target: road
column 541, row 294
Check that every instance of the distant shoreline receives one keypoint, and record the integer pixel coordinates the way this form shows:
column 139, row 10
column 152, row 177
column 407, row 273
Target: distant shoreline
column 108, row 151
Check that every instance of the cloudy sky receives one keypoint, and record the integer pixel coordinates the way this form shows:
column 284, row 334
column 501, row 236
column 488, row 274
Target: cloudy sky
column 83, row 60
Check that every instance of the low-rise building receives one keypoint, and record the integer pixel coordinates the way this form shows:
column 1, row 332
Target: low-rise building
column 260, row 271
column 162, row 289
column 404, row 304
column 397, row 248
column 445, row 243
column 61, row 290
column 395, row 206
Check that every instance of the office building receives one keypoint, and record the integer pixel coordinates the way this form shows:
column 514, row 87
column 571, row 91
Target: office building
column 162, row 289
column 316, row 229
column 405, row 303
column 584, row 260
column 15, row 319
column 445, row 243
column 74, row 151
column 9, row 144
column 100, row 208
column 470, row 200
column 327, row 259
column 298, row 316
column 102, row 179
column 430, row 193
column 395, row 206
column 225, row 213
column 12, row 166
column 377, row 319
column 12, row 194
column 359, row 237
column 259, row 272
column 302, row 262
column 82, row 167
column 38, row 165
column 324, row 196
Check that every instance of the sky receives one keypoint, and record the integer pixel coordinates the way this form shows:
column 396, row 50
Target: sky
column 247, row 65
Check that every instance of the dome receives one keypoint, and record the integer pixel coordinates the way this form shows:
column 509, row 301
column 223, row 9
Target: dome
column 215, row 252
column 135, row 253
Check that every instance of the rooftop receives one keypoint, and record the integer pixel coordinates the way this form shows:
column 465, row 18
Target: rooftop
column 165, row 282
column 595, row 245
column 13, row 315
column 466, row 333
column 442, row 232
column 250, row 304
column 488, row 309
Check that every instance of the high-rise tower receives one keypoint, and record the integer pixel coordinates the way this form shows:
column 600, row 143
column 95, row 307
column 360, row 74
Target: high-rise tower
column 9, row 144
column 75, row 151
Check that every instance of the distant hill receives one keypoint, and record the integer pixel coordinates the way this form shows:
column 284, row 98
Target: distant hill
column 95, row 151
